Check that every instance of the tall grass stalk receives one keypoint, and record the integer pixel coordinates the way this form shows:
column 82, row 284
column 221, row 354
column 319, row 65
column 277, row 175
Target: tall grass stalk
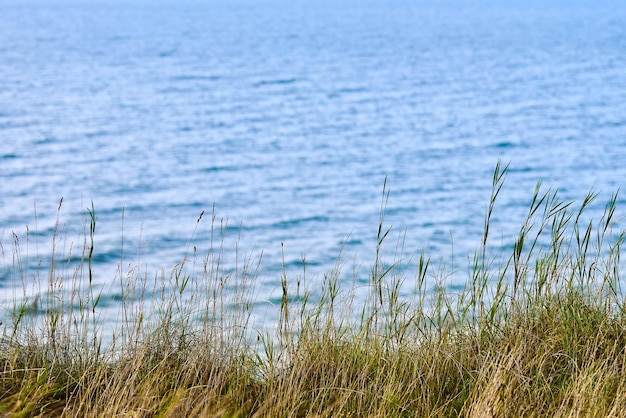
column 537, row 332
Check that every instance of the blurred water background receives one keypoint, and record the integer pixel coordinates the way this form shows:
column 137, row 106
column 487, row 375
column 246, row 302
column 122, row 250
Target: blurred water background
column 284, row 118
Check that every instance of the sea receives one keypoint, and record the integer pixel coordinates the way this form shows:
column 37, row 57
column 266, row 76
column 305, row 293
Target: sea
column 277, row 132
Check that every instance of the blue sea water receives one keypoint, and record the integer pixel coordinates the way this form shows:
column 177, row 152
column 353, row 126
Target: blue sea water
column 286, row 117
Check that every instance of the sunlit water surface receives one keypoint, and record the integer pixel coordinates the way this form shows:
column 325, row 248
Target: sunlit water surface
column 283, row 119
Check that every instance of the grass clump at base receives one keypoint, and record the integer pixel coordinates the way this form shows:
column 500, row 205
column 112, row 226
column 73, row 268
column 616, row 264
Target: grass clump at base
column 541, row 334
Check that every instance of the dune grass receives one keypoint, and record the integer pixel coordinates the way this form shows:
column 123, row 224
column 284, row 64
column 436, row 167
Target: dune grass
column 538, row 332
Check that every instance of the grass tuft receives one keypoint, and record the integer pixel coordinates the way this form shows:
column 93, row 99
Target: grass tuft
column 542, row 332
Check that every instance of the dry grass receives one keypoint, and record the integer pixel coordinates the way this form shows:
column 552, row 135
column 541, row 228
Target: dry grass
column 541, row 334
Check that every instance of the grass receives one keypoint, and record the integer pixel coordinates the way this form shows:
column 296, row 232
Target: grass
column 540, row 332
